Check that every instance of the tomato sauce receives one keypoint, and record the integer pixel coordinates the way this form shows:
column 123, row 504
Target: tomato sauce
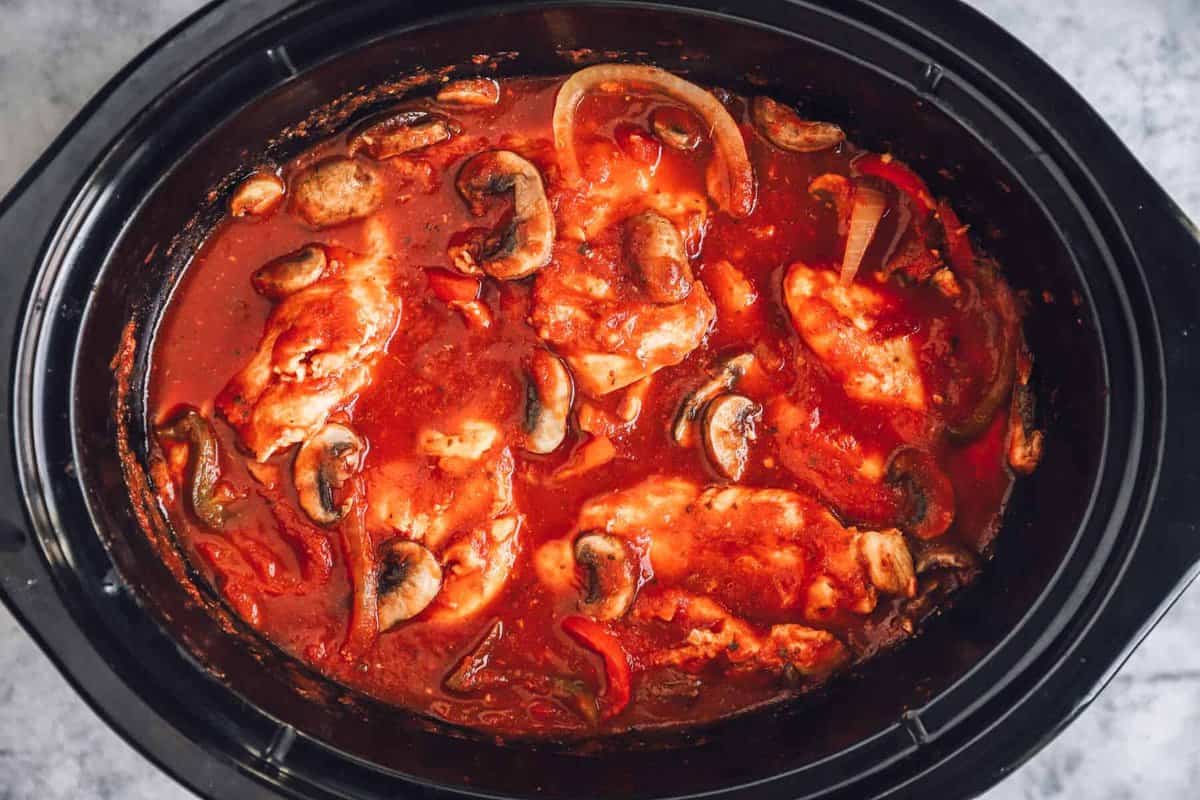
column 532, row 660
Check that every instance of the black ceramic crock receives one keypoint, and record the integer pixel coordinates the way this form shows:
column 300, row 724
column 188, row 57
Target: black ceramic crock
column 1096, row 546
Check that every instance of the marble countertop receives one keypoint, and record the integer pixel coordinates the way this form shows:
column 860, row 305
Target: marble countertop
column 1136, row 61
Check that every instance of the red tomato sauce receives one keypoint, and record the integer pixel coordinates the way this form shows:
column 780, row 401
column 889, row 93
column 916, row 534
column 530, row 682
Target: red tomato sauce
column 517, row 666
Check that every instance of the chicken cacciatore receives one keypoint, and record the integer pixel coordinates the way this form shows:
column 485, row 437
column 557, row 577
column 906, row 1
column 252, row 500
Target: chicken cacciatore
column 568, row 406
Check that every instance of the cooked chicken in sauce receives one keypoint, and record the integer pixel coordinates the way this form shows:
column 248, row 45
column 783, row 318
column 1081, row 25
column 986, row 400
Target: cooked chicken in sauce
column 568, row 406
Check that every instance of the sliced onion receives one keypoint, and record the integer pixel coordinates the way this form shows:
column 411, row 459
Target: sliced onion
column 730, row 177
column 864, row 219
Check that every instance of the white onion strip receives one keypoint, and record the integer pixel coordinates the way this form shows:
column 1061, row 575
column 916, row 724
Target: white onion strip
column 864, row 219
column 730, row 179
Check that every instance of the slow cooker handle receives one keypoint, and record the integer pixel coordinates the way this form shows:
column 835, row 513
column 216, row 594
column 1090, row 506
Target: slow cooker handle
column 1167, row 556
column 27, row 215
column 31, row 211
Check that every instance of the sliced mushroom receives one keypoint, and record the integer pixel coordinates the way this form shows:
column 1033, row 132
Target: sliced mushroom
column 290, row 273
column 610, row 580
column 1024, row 440
column 944, row 555
column 730, row 176
column 728, row 374
column 476, row 92
column 257, row 195
column 409, row 580
column 548, row 399
column 888, row 562
column 336, row 190
column 928, row 507
column 324, row 463
column 676, row 128
column 783, row 127
column 656, row 252
column 404, row 132
column 203, row 467
column 524, row 247
column 728, row 430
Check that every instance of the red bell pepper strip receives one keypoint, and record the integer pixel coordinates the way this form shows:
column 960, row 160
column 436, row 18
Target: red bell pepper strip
column 899, row 175
column 618, row 678
column 359, row 557
column 450, row 287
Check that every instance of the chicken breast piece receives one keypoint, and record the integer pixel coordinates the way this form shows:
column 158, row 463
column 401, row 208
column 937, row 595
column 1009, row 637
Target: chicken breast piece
column 768, row 555
column 477, row 566
column 840, row 324
column 619, row 187
column 846, row 471
column 318, row 348
column 595, row 303
column 588, row 306
column 454, row 496
column 418, row 499
column 712, row 634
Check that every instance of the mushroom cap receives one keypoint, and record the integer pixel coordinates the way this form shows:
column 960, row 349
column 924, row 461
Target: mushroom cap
column 410, row 577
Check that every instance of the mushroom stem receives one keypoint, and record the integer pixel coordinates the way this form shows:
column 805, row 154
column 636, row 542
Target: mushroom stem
column 257, row 195
column 470, row 93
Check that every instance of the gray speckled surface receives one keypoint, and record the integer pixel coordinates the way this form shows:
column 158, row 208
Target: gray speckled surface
column 1137, row 61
